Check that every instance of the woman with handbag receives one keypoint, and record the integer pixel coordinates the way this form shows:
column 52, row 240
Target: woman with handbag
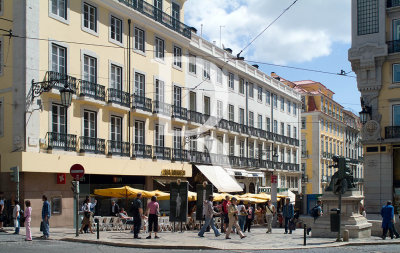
column 242, row 214
column 86, row 217
column 27, row 215
column 153, row 211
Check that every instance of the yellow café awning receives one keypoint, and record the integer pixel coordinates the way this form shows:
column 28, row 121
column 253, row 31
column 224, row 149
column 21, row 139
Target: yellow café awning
column 122, row 192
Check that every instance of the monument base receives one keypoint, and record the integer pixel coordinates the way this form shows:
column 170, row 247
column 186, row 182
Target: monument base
column 351, row 219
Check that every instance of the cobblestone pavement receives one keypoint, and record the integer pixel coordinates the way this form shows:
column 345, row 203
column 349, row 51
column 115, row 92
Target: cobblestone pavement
column 256, row 240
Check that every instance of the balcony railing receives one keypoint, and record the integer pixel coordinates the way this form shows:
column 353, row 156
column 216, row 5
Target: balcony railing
column 95, row 145
column 179, row 154
column 393, row 46
column 161, row 108
column 66, row 142
column 393, row 3
column 118, row 148
column 392, row 132
column 243, row 129
column 64, row 80
column 233, row 126
column 141, row 150
column 195, row 117
column 223, row 124
column 163, row 153
column 179, row 112
column 93, row 90
column 154, row 13
column 141, row 103
column 118, row 96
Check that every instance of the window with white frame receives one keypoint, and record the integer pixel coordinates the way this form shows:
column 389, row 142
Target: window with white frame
column 241, row 116
column 289, row 106
column 268, row 122
column 206, row 105
column 219, row 109
column 241, row 148
column 89, row 124
column 116, row 29
column 260, row 92
column 206, row 70
column 178, row 57
column 139, row 37
column 241, row 85
column 192, row 101
column 396, row 73
column 177, row 98
column 251, row 119
column 294, row 108
column 159, row 94
column 268, row 97
column 58, row 119
column 282, row 128
column 58, row 59
column 160, row 48
column 159, row 135
column 288, row 130
column 177, row 138
column 231, row 80
column 89, row 68
column 90, row 17
column 58, row 8
column 282, row 103
column 231, row 146
column 251, row 90
column 275, row 130
column 219, row 75
column 139, row 132
column 140, row 84
column 259, row 122
column 396, row 115
column 116, row 129
column 295, row 132
column 251, row 149
column 116, row 77
column 231, row 113
column 192, row 63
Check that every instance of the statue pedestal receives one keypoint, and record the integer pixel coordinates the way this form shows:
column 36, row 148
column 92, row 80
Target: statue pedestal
column 351, row 219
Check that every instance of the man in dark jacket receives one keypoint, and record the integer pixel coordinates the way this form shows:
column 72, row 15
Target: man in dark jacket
column 114, row 209
column 387, row 213
column 288, row 214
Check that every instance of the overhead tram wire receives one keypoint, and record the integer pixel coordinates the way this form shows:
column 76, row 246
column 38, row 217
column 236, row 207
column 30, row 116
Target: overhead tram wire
column 276, row 19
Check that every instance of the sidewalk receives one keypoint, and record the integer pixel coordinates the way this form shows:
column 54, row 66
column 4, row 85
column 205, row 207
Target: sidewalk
column 256, row 240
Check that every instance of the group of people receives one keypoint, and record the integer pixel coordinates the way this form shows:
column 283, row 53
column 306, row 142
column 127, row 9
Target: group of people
column 25, row 216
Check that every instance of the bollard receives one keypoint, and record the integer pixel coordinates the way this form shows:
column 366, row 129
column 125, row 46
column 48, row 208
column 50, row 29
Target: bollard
column 346, row 235
column 98, row 229
column 305, row 235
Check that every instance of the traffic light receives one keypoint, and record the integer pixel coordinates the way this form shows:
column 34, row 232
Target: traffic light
column 14, row 174
column 75, row 187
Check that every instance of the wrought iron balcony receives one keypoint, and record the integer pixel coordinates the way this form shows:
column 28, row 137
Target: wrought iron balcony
column 393, row 3
column 263, row 134
column 161, row 108
column 162, row 153
column 219, row 159
column 118, row 148
column 392, row 132
column 243, row 129
column 93, row 90
column 179, row 154
column 393, row 46
column 118, row 96
column 64, row 79
column 179, row 112
column 141, row 103
column 95, row 145
column 223, row 124
column 141, row 150
column 233, row 126
column 158, row 15
column 66, row 142
column 195, row 117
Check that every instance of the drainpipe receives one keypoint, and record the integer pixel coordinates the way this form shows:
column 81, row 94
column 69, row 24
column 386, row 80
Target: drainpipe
column 129, row 79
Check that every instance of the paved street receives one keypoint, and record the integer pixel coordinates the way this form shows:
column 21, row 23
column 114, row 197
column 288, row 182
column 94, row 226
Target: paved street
column 257, row 241
column 13, row 243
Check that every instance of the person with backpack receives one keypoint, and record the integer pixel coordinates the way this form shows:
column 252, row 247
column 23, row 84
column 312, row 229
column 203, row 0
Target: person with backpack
column 316, row 211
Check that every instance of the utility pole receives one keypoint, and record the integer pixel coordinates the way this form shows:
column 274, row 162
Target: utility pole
column 75, row 189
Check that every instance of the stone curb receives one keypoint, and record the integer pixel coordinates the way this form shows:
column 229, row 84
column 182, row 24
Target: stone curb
column 141, row 246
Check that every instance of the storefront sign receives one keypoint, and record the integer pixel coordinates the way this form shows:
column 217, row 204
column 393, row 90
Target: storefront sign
column 274, row 179
column 61, row 178
column 264, row 189
column 173, row 173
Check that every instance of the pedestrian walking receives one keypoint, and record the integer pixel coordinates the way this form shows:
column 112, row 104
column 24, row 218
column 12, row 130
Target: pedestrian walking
column 209, row 217
column 225, row 205
column 86, row 222
column 27, row 215
column 242, row 215
column 288, row 214
column 16, row 216
column 153, row 211
column 2, row 215
column 114, row 209
column 137, row 211
column 249, row 217
column 233, row 219
column 387, row 213
column 270, row 212
column 46, row 213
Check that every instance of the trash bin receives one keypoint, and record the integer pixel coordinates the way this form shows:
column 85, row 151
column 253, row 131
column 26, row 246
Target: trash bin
column 335, row 216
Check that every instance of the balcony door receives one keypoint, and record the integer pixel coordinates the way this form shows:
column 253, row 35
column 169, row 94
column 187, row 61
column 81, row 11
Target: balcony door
column 89, row 124
column 158, row 8
column 89, row 69
column 58, row 59
column 59, row 119
column 193, row 101
column 207, row 105
column 116, row 129
column 159, row 95
column 396, row 115
column 175, row 15
column 177, row 96
column 140, row 85
column 116, row 78
column 139, row 132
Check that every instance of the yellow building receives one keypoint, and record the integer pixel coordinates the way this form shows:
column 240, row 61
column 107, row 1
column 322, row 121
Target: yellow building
column 123, row 59
column 375, row 58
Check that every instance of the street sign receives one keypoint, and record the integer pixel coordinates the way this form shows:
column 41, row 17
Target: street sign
column 274, row 179
column 61, row 178
column 77, row 171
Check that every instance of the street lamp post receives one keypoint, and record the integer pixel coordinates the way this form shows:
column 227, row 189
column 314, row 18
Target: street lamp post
column 274, row 180
column 65, row 93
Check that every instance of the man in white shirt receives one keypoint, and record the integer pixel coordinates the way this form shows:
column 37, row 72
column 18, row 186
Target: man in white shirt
column 269, row 215
column 16, row 216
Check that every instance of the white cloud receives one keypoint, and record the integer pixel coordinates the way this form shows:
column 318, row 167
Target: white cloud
column 305, row 32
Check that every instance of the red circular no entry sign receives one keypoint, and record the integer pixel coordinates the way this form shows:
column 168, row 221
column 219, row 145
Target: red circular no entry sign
column 77, row 171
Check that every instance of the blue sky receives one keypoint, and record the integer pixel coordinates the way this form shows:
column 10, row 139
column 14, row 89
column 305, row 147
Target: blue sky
column 314, row 34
